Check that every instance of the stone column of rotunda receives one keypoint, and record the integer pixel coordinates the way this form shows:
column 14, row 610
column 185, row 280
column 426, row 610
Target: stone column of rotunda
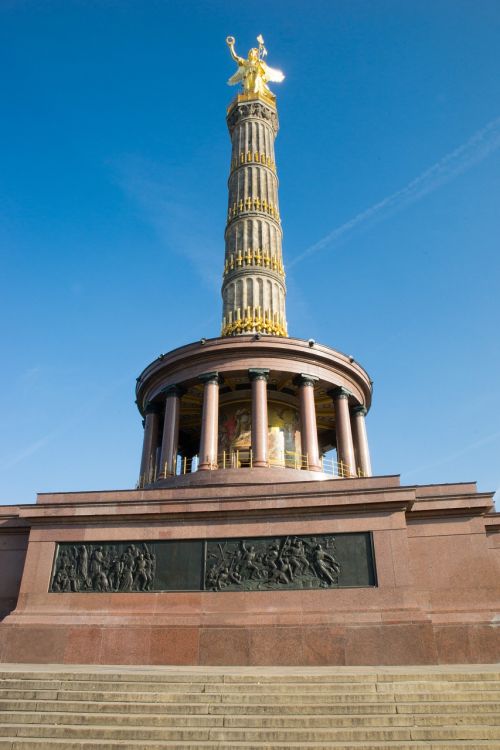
column 253, row 288
column 170, row 439
column 345, row 445
column 151, row 427
column 260, row 447
column 360, row 441
column 309, row 428
column 209, row 421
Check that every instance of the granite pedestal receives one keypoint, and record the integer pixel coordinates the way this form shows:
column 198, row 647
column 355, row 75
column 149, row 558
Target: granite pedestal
column 436, row 597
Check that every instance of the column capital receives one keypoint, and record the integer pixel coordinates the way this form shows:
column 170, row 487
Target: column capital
column 173, row 390
column 339, row 392
column 305, row 379
column 211, row 377
column 151, row 408
column 258, row 373
column 359, row 410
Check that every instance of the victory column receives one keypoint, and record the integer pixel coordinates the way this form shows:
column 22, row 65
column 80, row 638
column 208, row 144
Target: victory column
column 253, row 398
column 254, row 290
column 244, row 544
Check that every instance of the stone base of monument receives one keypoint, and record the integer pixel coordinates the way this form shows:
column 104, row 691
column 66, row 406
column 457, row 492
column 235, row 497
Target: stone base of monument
column 339, row 571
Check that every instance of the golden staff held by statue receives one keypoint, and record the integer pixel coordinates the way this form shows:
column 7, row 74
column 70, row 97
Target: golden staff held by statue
column 253, row 73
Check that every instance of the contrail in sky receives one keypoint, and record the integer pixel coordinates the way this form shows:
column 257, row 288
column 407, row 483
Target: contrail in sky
column 480, row 145
column 462, row 452
column 77, row 417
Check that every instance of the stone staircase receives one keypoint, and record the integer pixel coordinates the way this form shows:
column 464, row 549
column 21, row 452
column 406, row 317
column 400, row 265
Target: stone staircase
column 397, row 708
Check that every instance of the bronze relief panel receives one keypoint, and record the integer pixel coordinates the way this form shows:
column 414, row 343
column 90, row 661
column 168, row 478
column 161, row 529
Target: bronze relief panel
column 321, row 561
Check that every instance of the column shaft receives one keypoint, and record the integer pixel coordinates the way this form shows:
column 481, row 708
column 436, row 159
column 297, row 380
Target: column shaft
column 150, row 440
column 170, row 440
column 209, row 422
column 260, row 451
column 345, row 447
column 360, row 440
column 309, row 430
column 253, row 289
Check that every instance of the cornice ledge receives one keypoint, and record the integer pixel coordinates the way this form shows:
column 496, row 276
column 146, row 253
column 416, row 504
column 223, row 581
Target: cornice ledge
column 452, row 506
column 102, row 512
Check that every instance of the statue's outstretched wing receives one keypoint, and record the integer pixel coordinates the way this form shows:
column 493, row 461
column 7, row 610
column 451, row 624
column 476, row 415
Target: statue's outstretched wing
column 276, row 76
column 236, row 77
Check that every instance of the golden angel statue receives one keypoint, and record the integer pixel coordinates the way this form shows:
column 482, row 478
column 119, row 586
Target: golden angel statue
column 253, row 73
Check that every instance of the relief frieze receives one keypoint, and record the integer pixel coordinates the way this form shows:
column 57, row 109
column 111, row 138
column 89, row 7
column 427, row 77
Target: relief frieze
column 276, row 563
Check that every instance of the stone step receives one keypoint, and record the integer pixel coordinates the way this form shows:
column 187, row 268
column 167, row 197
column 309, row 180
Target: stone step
column 250, row 721
column 300, row 698
column 448, row 697
column 123, row 687
column 442, row 709
column 146, row 733
column 109, row 695
column 274, row 721
column 16, row 743
column 237, row 688
column 104, row 707
column 98, row 733
column 436, row 687
column 345, row 688
column 186, row 697
column 431, row 677
column 230, row 688
column 112, row 719
column 67, row 675
column 358, row 709
column 401, row 720
column 304, row 709
column 337, row 675
column 410, row 709
column 20, row 743
column 249, row 679
column 350, row 677
column 333, row 688
column 261, row 696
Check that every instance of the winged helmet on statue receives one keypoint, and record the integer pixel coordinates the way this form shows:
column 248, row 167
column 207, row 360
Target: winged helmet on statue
column 253, row 73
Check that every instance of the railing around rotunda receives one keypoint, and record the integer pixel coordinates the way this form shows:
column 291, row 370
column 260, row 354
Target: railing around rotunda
column 243, row 459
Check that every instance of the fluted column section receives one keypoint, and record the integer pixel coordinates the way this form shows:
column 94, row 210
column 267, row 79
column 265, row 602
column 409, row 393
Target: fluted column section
column 253, row 289
column 360, row 440
column 149, row 444
column 345, row 446
column 308, row 426
column 260, row 450
column 170, row 439
column 209, row 422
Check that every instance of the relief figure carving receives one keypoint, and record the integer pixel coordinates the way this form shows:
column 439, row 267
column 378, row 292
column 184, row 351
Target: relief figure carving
column 103, row 568
column 264, row 564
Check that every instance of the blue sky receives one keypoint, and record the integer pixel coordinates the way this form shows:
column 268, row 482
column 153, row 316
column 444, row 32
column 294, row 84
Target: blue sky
column 114, row 160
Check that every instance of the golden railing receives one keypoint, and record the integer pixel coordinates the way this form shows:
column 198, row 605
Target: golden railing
column 243, row 459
